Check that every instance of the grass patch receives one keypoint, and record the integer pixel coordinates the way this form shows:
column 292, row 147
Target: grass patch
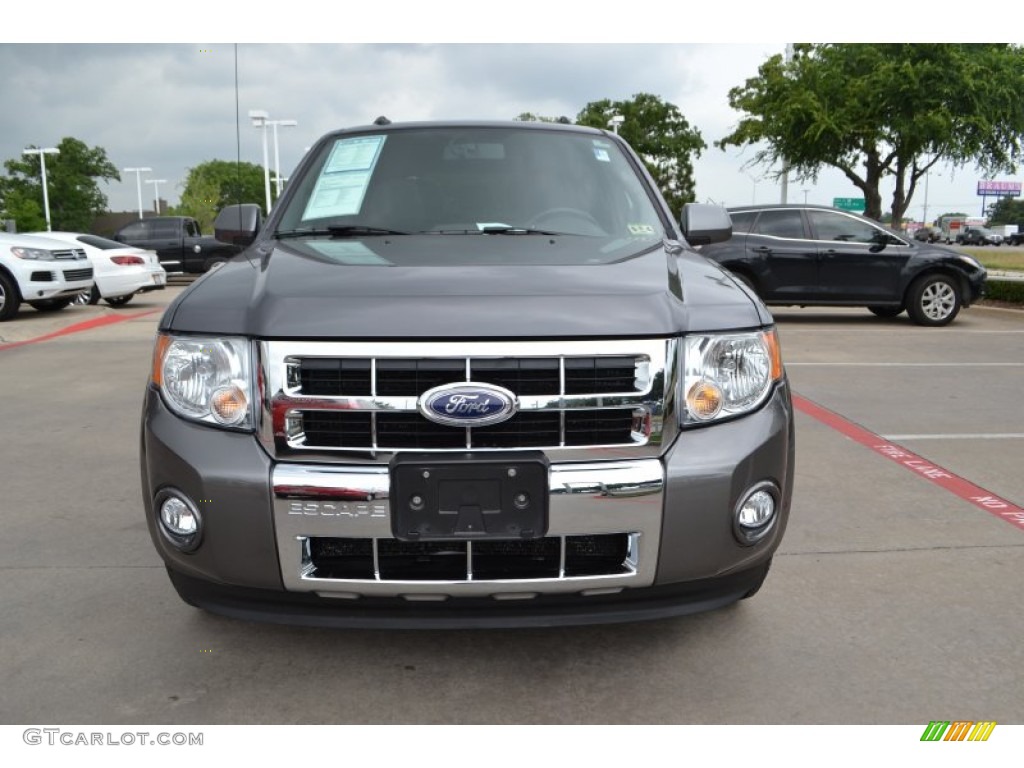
column 996, row 258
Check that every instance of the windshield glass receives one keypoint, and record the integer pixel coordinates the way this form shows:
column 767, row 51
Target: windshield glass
column 474, row 181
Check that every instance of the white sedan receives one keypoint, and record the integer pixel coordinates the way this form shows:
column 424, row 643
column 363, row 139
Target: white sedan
column 119, row 271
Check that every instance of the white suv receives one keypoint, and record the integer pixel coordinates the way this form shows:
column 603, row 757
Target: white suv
column 47, row 274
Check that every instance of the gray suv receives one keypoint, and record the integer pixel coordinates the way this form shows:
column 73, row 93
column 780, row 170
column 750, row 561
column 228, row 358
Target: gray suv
column 467, row 374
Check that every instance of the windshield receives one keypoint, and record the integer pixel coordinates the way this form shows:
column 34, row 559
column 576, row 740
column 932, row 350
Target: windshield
column 485, row 181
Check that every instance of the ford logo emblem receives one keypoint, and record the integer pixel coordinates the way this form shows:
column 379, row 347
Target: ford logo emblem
column 468, row 404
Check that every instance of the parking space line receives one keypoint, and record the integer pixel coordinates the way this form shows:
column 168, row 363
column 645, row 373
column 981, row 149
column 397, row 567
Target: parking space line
column 965, row 436
column 958, row 486
column 86, row 325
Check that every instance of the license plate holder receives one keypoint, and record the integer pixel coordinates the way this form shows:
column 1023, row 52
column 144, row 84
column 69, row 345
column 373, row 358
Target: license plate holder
column 477, row 496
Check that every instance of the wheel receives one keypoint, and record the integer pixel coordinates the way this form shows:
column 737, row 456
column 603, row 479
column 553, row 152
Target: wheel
column 91, row 296
column 759, row 583
column 933, row 300
column 563, row 214
column 119, row 301
column 10, row 299
column 881, row 311
column 51, row 305
column 214, row 262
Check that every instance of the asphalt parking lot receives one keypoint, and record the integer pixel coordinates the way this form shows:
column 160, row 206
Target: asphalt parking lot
column 895, row 597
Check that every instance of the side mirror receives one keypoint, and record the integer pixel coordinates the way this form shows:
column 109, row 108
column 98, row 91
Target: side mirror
column 238, row 224
column 705, row 224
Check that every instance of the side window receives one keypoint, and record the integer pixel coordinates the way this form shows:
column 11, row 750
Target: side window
column 781, row 223
column 846, row 229
column 191, row 229
column 165, row 229
column 135, row 231
column 741, row 221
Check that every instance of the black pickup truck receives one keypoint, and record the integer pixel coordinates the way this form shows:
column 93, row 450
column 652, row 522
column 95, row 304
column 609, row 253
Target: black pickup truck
column 178, row 242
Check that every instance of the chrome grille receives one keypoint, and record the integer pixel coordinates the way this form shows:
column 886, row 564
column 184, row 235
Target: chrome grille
column 360, row 399
column 73, row 254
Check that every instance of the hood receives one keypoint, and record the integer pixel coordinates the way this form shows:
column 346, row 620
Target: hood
column 420, row 288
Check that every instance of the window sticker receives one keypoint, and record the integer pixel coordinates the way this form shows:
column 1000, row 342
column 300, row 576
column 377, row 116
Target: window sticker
column 348, row 252
column 602, row 155
column 343, row 181
column 640, row 229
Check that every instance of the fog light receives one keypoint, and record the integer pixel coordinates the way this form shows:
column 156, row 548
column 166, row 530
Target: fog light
column 180, row 521
column 755, row 514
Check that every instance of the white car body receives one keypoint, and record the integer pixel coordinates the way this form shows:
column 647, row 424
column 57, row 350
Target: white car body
column 54, row 270
column 113, row 280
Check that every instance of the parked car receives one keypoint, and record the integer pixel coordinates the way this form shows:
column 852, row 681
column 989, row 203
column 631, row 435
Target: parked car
column 44, row 272
column 489, row 384
column 1016, row 238
column 978, row 236
column 809, row 255
column 119, row 271
column 179, row 243
column 928, row 235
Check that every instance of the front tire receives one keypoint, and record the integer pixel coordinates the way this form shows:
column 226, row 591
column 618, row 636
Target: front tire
column 934, row 300
column 10, row 299
column 51, row 305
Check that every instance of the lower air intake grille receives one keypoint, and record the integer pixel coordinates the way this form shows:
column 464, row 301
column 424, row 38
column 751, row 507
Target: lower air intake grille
column 553, row 557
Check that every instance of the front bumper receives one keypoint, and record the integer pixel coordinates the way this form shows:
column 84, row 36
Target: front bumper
column 677, row 511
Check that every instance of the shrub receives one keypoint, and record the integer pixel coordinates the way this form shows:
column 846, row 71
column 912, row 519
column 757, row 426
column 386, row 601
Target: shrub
column 1005, row 290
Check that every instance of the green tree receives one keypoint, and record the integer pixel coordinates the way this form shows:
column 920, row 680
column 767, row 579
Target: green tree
column 214, row 184
column 530, row 117
column 883, row 111
column 661, row 136
column 72, row 184
column 1008, row 211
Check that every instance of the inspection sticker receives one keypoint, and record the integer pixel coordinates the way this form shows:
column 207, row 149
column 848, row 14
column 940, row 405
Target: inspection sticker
column 640, row 229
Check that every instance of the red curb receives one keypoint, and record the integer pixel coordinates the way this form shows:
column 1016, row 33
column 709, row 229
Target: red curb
column 85, row 325
column 958, row 486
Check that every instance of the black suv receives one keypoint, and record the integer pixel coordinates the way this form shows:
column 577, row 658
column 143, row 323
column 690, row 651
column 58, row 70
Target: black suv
column 807, row 255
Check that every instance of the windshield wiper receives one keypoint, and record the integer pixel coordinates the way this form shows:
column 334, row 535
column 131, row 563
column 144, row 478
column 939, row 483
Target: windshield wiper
column 347, row 230
column 493, row 230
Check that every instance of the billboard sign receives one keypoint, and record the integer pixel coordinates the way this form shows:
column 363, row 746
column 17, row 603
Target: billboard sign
column 999, row 188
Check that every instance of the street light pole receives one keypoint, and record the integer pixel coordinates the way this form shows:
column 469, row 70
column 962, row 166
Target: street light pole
column 138, row 182
column 277, row 156
column 156, row 192
column 42, row 167
column 259, row 118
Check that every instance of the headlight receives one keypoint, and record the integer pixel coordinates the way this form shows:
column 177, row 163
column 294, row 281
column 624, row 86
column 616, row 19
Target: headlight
column 205, row 379
column 33, row 254
column 725, row 375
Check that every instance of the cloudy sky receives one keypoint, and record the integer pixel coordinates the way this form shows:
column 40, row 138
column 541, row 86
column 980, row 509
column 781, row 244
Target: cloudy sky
column 171, row 105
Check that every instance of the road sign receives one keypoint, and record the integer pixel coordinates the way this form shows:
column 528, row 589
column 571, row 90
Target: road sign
column 848, row 203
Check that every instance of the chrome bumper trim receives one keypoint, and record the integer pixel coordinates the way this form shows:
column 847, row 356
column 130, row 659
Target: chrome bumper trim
column 353, row 502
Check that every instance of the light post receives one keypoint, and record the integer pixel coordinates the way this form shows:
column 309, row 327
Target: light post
column 42, row 167
column 615, row 122
column 138, row 182
column 156, row 192
column 277, row 156
column 754, row 196
column 259, row 118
